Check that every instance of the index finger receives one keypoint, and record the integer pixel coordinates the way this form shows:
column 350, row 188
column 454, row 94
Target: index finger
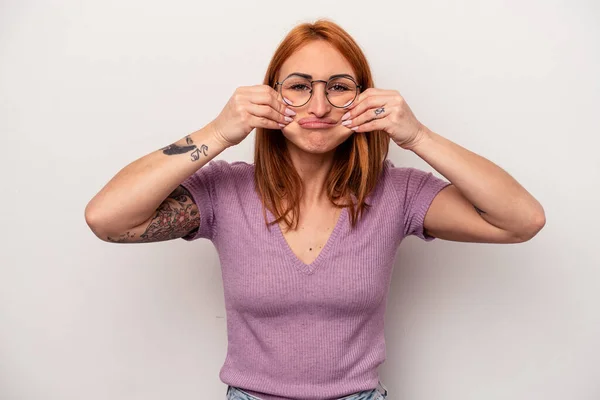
column 274, row 100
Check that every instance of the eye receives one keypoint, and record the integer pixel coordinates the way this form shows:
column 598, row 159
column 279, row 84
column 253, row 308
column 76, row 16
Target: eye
column 299, row 87
column 338, row 87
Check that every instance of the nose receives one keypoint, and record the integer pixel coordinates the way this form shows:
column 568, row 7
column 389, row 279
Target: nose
column 318, row 104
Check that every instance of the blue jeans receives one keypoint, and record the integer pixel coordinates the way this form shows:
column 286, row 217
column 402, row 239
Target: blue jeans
column 379, row 393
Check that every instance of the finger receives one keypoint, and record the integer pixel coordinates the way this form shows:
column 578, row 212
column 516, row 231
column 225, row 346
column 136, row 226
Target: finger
column 273, row 94
column 370, row 92
column 270, row 98
column 264, row 122
column 375, row 125
column 366, row 104
column 266, row 111
column 368, row 115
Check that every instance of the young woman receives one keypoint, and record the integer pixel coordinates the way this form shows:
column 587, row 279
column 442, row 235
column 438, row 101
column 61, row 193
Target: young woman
column 307, row 234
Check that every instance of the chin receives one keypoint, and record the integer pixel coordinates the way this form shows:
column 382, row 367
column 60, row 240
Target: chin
column 316, row 141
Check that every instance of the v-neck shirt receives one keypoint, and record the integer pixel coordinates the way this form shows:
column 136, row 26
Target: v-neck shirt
column 299, row 330
column 301, row 265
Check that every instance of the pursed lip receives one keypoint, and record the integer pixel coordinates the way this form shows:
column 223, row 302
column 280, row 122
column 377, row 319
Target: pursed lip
column 312, row 122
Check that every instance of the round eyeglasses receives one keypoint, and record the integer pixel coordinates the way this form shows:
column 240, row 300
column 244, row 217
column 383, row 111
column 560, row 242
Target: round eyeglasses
column 297, row 90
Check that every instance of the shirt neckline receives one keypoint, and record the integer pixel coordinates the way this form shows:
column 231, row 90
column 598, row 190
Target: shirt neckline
column 312, row 267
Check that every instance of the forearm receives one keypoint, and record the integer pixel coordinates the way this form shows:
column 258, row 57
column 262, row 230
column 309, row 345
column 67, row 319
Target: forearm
column 499, row 198
column 136, row 191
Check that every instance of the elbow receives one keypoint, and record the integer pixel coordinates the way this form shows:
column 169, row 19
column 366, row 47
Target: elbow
column 94, row 221
column 105, row 225
column 536, row 223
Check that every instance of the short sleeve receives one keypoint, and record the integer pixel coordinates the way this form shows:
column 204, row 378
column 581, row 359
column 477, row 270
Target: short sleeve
column 416, row 190
column 201, row 186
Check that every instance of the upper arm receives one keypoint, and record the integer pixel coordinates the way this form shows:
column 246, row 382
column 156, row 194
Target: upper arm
column 452, row 217
column 176, row 217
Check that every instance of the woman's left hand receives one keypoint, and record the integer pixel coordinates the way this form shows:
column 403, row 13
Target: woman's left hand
column 397, row 119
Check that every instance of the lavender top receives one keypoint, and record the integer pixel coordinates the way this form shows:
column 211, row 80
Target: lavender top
column 306, row 331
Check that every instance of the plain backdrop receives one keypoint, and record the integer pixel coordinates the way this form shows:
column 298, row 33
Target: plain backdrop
column 88, row 87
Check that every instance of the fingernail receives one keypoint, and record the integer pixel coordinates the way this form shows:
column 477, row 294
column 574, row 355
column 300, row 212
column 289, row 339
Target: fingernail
column 346, row 116
column 354, row 128
column 346, row 123
column 289, row 119
column 287, row 100
column 282, row 125
column 290, row 112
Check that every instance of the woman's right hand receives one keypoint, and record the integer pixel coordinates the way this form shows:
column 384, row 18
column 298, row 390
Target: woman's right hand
column 250, row 107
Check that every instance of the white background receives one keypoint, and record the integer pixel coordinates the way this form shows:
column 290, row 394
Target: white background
column 86, row 88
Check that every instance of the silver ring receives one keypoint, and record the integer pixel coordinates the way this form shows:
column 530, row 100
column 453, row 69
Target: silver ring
column 380, row 110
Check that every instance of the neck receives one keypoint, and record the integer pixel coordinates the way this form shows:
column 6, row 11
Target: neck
column 313, row 170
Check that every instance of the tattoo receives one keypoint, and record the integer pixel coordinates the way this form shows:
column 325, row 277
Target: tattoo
column 196, row 153
column 174, row 149
column 176, row 217
column 479, row 211
column 173, row 219
column 124, row 238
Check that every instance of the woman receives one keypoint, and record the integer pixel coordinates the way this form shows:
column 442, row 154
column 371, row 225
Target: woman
column 307, row 234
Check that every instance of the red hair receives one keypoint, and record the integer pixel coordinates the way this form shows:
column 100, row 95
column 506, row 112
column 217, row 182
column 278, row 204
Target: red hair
column 358, row 161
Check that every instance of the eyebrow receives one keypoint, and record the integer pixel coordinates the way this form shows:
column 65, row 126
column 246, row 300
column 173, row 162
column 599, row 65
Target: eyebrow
column 307, row 76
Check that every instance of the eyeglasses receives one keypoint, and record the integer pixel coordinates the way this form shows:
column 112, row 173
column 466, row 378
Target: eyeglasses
column 297, row 90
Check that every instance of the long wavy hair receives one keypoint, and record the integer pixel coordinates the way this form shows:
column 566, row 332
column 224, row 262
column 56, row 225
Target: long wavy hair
column 358, row 161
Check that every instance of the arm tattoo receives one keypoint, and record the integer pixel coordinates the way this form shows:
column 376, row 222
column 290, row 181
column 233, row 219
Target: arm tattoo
column 124, row 238
column 176, row 217
column 174, row 149
column 479, row 211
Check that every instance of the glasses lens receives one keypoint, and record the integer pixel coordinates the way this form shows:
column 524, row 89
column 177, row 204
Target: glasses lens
column 296, row 89
column 341, row 91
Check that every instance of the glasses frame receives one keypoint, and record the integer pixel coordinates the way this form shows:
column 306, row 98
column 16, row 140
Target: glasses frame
column 312, row 88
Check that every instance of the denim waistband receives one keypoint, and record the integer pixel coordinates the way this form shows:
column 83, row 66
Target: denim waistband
column 379, row 393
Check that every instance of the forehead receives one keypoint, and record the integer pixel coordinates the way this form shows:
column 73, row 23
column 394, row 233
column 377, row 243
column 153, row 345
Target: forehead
column 317, row 58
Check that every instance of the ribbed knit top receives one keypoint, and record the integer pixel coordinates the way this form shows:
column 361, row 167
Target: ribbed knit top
column 298, row 331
